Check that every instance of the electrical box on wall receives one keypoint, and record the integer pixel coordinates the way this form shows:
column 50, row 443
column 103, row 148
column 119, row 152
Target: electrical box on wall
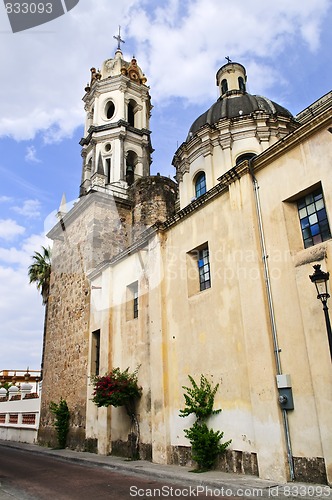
column 283, row 381
column 284, row 385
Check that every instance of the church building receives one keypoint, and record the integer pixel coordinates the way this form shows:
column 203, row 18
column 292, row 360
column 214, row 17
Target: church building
column 207, row 274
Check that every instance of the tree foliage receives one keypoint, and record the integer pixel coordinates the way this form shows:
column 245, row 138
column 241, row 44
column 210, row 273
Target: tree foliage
column 39, row 272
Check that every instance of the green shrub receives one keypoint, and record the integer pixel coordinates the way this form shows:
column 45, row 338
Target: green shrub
column 199, row 399
column 205, row 442
column 61, row 412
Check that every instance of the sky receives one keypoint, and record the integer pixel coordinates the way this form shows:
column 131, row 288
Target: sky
column 179, row 44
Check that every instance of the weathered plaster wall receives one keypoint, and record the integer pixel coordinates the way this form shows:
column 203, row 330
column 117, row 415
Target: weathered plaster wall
column 224, row 332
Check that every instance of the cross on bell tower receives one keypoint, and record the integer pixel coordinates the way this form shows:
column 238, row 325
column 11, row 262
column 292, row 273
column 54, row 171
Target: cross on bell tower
column 119, row 39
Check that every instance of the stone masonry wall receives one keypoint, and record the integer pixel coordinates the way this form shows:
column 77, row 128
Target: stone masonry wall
column 94, row 230
column 153, row 199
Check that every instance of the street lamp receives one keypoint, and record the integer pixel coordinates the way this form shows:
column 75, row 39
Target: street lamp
column 320, row 278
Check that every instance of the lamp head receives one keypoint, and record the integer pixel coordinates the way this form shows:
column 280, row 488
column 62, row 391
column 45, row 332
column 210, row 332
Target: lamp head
column 320, row 279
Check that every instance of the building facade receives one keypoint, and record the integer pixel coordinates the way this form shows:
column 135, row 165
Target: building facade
column 208, row 275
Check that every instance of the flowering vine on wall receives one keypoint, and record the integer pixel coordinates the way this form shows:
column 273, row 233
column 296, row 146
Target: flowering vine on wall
column 120, row 388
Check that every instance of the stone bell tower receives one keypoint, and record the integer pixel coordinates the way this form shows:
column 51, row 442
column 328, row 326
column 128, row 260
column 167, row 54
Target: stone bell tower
column 116, row 147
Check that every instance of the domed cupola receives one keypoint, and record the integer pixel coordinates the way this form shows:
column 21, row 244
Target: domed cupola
column 237, row 124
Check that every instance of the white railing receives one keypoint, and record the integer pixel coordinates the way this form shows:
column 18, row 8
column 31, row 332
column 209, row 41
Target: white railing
column 19, row 415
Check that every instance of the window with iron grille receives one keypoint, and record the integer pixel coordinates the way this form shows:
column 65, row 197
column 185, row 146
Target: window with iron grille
column 204, row 269
column 313, row 218
column 198, row 269
column 135, row 303
column 132, row 301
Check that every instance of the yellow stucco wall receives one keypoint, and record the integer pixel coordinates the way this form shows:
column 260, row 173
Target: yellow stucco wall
column 224, row 332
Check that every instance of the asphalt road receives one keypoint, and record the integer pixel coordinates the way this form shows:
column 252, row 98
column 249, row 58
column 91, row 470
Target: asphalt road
column 29, row 476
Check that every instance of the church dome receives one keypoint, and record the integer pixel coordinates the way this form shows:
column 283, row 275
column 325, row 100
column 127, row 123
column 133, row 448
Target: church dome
column 237, row 107
column 234, row 101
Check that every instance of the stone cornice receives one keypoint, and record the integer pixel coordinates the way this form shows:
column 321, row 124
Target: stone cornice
column 317, row 122
column 224, row 133
column 112, row 126
column 322, row 104
column 119, row 82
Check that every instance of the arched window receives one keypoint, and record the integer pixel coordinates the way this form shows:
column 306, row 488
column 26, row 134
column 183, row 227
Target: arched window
column 224, row 86
column 131, row 162
column 200, row 184
column 131, row 114
column 245, row 156
column 242, row 85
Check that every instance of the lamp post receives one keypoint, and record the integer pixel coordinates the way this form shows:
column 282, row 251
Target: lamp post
column 320, row 279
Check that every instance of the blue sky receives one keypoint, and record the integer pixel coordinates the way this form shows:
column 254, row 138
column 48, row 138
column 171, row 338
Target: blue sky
column 180, row 45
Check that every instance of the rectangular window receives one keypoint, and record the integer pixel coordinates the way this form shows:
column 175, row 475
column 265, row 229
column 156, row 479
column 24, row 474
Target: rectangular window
column 135, row 304
column 198, row 269
column 204, row 269
column 313, row 218
column 108, row 170
column 132, row 301
column 95, row 353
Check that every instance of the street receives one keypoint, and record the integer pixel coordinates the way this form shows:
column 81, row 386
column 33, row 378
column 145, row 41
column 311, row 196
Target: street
column 28, row 476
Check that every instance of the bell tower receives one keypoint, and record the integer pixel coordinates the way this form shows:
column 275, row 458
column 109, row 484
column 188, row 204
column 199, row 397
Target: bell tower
column 116, row 147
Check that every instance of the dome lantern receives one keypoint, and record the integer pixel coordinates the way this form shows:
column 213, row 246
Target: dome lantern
column 231, row 78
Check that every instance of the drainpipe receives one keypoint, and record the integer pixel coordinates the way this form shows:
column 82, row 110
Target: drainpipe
column 271, row 313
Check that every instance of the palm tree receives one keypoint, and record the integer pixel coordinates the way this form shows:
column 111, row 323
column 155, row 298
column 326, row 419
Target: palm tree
column 39, row 272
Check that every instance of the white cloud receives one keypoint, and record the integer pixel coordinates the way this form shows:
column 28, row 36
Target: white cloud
column 21, row 254
column 5, row 199
column 29, row 209
column 31, row 155
column 22, row 317
column 33, row 244
column 180, row 55
column 54, row 81
column 9, row 229
column 178, row 44
column 21, row 309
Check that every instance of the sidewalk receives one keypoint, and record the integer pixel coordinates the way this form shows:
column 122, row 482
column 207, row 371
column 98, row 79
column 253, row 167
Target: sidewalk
column 211, row 482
